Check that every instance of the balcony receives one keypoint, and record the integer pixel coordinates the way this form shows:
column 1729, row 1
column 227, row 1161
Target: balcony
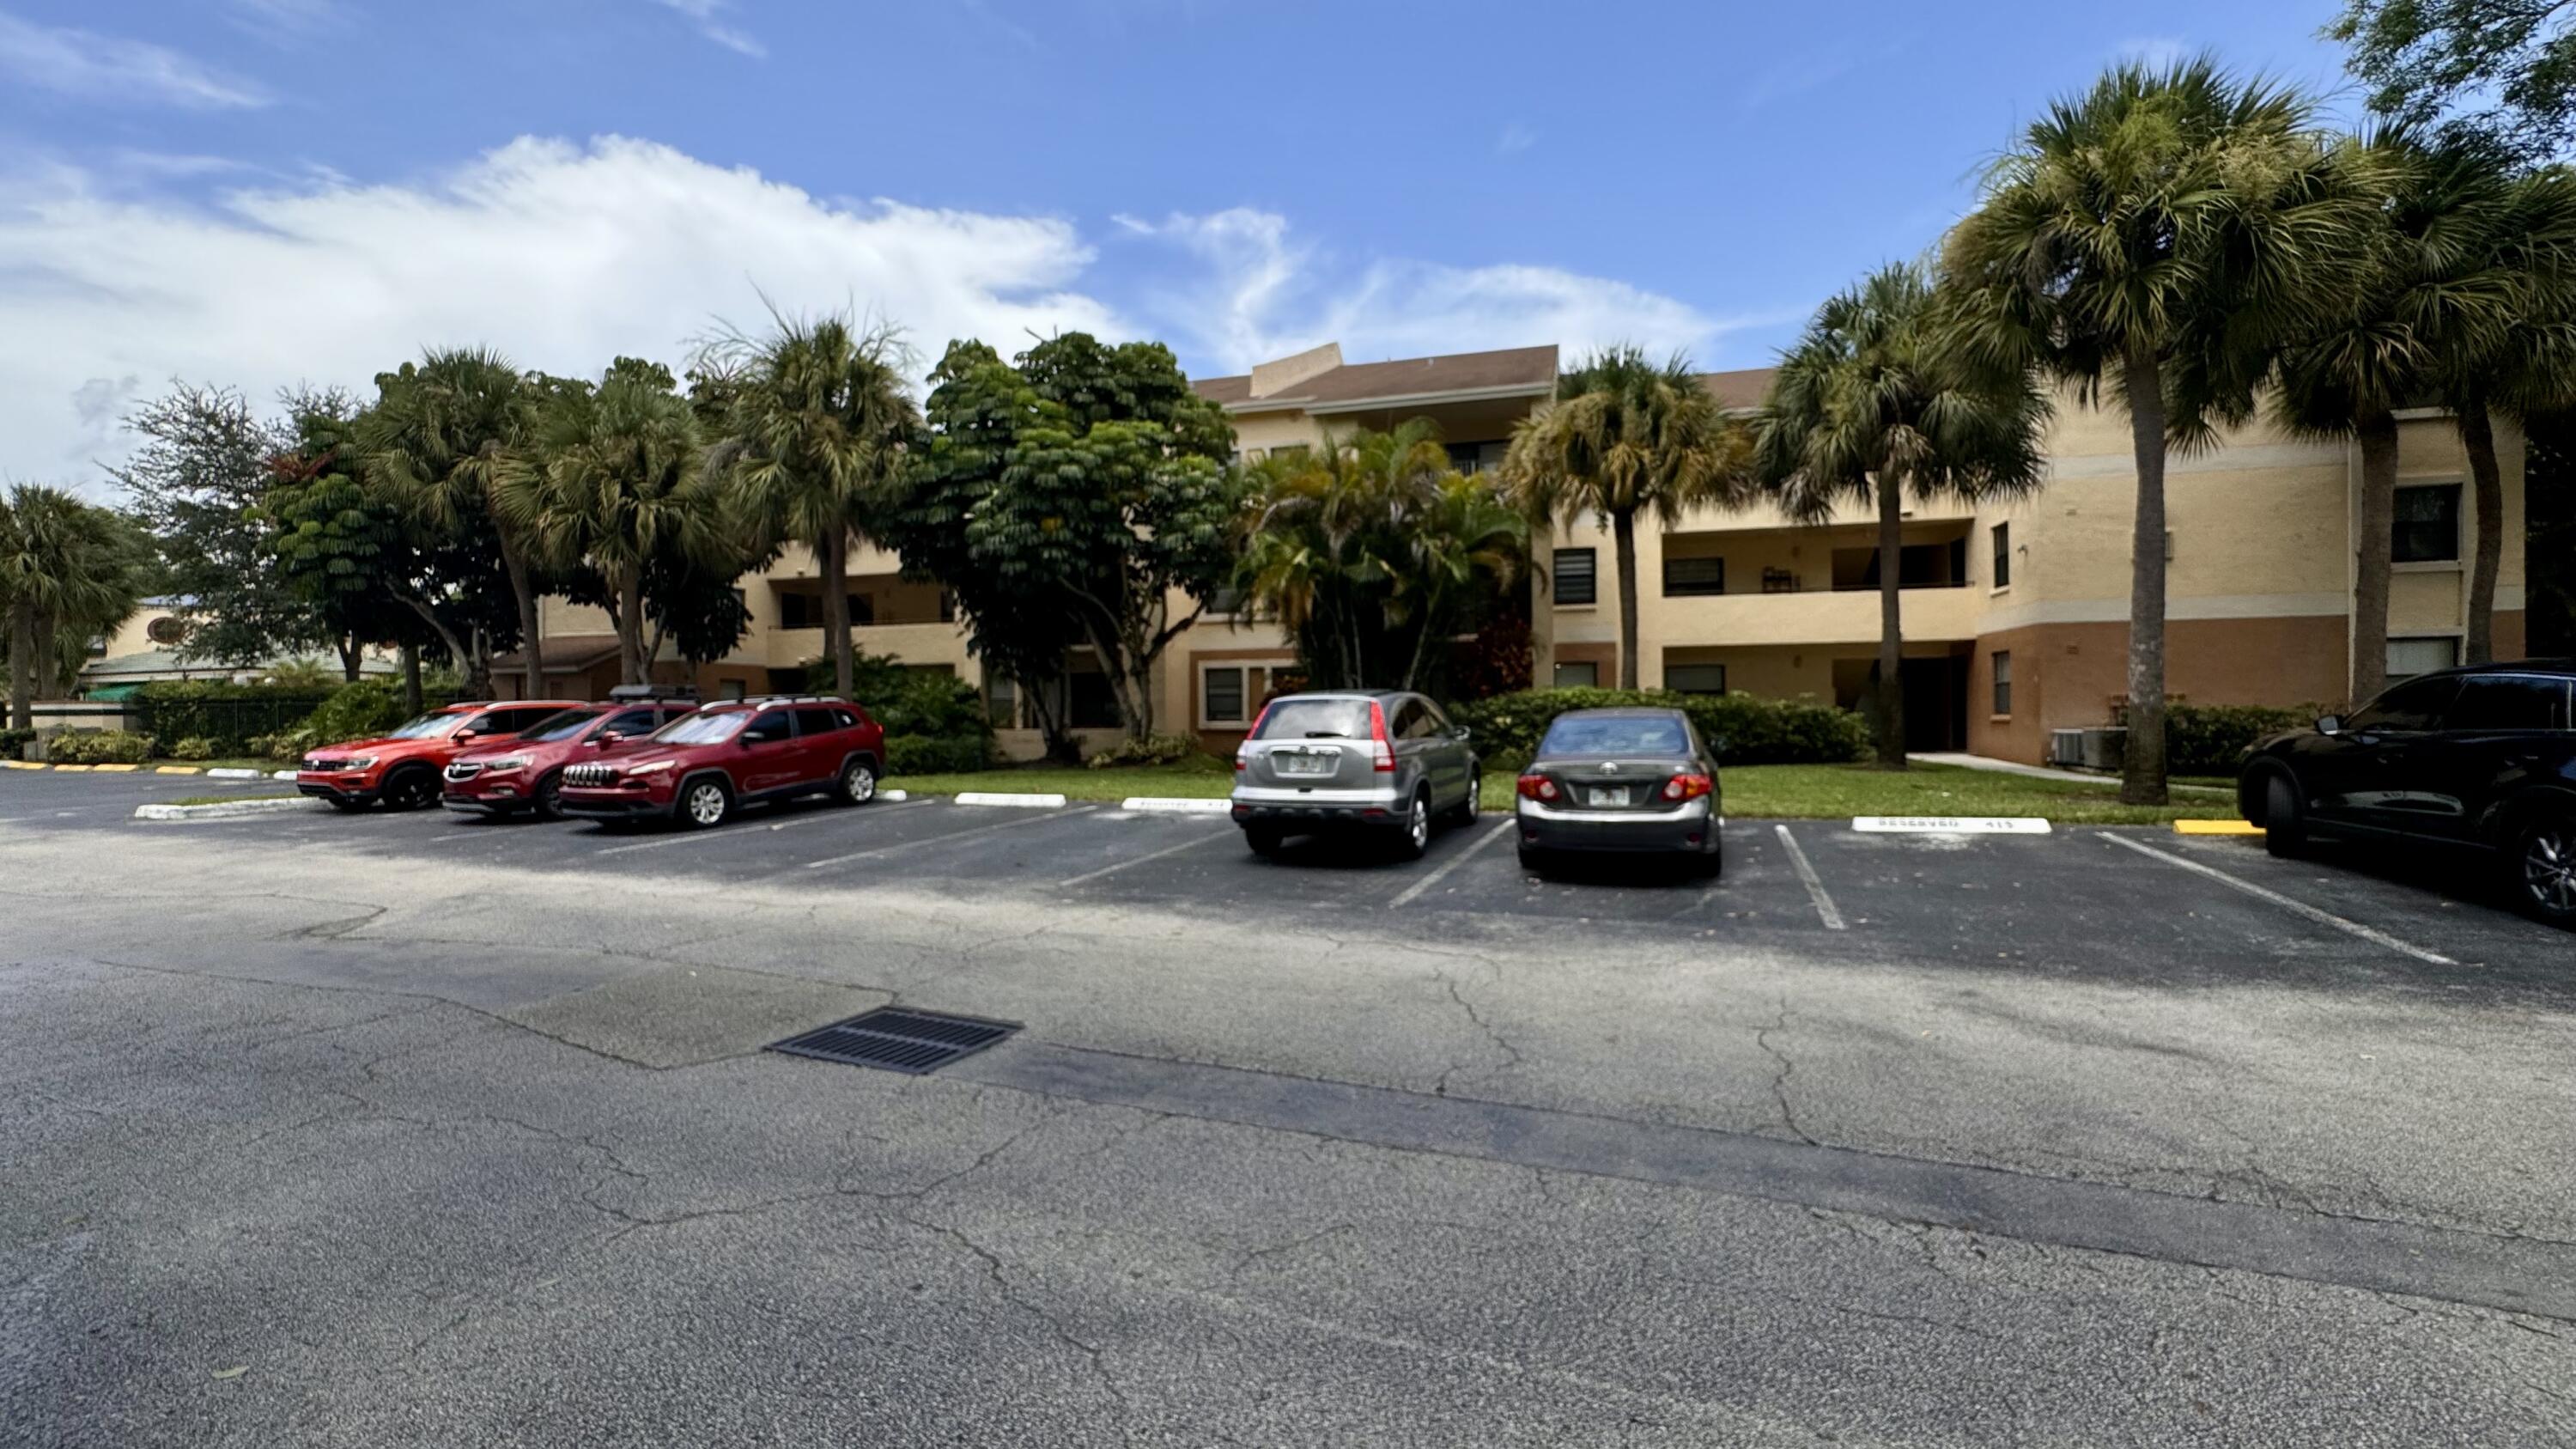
column 1840, row 616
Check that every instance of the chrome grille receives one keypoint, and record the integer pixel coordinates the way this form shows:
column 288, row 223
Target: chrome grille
column 590, row 775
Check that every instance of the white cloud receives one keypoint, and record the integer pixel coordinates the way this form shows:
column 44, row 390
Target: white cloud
column 284, row 18
column 709, row 14
column 1262, row 294
column 1515, row 139
column 560, row 256
column 89, row 66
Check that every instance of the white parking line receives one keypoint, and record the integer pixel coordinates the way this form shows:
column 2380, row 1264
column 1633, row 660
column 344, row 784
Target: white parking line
column 1436, row 877
column 2302, row 908
column 905, row 845
column 1201, row 838
column 1825, row 911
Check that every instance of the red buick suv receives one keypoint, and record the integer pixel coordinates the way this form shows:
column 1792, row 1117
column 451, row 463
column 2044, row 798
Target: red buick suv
column 524, row 774
column 400, row 770
column 699, row 769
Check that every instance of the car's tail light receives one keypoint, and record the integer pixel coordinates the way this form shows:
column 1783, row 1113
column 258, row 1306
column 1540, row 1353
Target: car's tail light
column 1381, row 749
column 1243, row 751
column 1688, row 787
column 1536, row 787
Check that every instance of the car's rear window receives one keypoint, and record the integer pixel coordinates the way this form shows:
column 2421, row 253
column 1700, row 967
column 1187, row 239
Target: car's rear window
column 1638, row 735
column 1315, row 719
column 561, row 726
column 703, row 729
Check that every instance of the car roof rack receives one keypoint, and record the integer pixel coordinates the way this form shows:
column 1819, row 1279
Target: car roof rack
column 791, row 699
column 629, row 693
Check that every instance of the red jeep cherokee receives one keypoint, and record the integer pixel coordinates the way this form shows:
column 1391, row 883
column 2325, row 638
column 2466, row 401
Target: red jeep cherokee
column 525, row 773
column 697, row 770
column 401, row 769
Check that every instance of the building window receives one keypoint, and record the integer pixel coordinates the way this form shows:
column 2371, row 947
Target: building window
column 1575, row 581
column 1001, row 702
column 1688, row 577
column 2003, row 681
column 1577, row 674
column 863, row 608
column 2428, row 524
column 1473, row 458
column 2410, row 657
column 947, row 606
column 168, row 631
column 1695, row 678
column 1225, row 603
column 2003, row 555
column 1221, row 694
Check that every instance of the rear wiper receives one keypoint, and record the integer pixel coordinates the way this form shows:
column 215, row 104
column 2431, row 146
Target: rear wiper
column 1326, row 735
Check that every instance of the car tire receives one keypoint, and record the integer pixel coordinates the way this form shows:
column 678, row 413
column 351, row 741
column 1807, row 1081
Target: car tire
column 704, row 803
column 857, row 784
column 2541, row 868
column 2285, row 820
column 1535, row 861
column 413, row 789
column 1262, row 840
column 549, row 798
column 1465, row 811
column 1413, row 836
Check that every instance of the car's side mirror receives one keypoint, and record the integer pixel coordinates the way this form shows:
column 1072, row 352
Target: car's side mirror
column 464, row 736
column 2330, row 724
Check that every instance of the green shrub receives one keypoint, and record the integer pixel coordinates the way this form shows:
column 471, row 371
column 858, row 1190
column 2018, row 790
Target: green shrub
column 2211, row 739
column 13, row 743
column 923, row 755
column 98, row 747
column 357, row 711
column 227, row 714
column 1744, row 729
column 196, row 747
column 288, row 745
column 1151, row 750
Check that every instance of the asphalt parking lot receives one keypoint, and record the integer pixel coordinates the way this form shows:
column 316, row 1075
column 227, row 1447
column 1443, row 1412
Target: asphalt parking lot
column 333, row 1129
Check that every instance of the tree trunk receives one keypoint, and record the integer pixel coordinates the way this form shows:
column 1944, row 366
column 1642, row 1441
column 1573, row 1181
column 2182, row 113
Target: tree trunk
column 353, row 654
column 1623, row 534
column 2142, row 775
column 531, row 627
column 474, row 663
column 1891, row 635
column 2374, row 546
column 2486, row 487
column 411, row 678
column 834, row 556
column 635, row 663
column 22, row 669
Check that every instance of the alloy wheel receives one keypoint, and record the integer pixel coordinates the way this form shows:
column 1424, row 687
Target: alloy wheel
column 2549, row 868
column 859, row 783
column 1418, row 825
column 706, row 803
column 411, row 791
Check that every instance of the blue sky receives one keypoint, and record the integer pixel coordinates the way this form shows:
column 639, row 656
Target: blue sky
column 261, row 192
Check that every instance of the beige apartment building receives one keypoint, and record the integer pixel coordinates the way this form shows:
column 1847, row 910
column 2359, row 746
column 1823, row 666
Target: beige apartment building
column 2015, row 616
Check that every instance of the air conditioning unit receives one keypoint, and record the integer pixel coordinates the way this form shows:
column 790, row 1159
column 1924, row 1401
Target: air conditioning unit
column 2104, row 749
column 2066, row 748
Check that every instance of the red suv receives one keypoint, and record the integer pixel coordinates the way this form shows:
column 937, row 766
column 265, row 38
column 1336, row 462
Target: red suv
column 401, row 769
column 525, row 772
column 697, row 770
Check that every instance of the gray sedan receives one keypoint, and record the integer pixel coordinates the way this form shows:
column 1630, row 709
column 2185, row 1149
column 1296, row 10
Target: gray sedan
column 1380, row 761
column 1639, row 781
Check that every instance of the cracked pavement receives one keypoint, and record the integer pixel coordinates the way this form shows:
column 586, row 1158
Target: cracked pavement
column 317, row 1137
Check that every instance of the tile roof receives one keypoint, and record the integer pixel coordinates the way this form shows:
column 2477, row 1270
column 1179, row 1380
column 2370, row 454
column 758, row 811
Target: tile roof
column 1511, row 367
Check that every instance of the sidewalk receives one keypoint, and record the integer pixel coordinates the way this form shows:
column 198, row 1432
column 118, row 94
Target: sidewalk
column 2040, row 772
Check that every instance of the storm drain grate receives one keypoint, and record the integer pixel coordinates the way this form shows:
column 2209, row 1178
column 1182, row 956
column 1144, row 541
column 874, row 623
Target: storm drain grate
column 896, row 1040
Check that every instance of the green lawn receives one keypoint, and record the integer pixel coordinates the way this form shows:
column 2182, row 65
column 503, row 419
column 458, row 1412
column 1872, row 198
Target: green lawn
column 1792, row 792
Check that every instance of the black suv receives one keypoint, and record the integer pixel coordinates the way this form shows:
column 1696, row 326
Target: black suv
column 2482, row 759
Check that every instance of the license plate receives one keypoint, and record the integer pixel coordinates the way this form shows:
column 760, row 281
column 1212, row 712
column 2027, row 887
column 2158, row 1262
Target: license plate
column 1618, row 796
column 1304, row 764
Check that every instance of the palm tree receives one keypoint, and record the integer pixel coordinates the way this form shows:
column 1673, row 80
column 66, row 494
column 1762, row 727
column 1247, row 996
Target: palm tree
column 616, row 479
column 68, row 569
column 438, row 442
column 821, row 421
column 1624, row 436
column 1868, row 407
column 2150, row 242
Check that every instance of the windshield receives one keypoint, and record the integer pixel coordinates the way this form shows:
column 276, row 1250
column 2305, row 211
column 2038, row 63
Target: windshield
column 429, row 727
column 560, row 726
column 1316, row 719
column 703, row 729
column 1616, row 735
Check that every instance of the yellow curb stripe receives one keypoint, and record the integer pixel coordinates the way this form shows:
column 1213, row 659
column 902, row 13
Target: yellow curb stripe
column 174, row 769
column 115, row 769
column 73, row 769
column 19, row 765
column 2216, row 827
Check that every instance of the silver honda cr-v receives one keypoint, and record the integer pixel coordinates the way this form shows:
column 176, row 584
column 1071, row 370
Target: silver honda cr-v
column 1370, row 760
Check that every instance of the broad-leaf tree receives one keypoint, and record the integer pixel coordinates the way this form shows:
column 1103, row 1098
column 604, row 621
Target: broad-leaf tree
column 1626, row 436
column 2150, row 243
column 1373, row 552
column 69, row 570
column 818, row 424
column 1870, row 408
column 195, row 482
column 2500, row 70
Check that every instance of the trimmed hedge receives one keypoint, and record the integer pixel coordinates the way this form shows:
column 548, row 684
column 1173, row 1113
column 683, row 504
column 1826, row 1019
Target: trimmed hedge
column 228, row 714
column 1151, row 750
column 1744, row 729
column 357, row 711
column 98, row 747
column 925, row 755
column 2211, row 739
